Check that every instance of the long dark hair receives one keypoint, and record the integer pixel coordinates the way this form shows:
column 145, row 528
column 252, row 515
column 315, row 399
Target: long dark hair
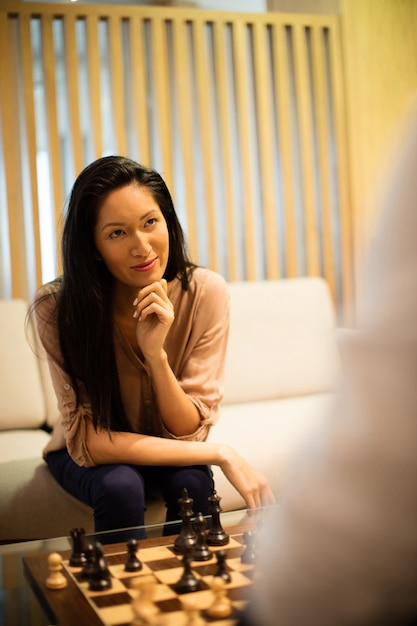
column 84, row 318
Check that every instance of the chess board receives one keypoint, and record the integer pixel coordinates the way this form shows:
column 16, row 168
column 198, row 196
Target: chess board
column 76, row 604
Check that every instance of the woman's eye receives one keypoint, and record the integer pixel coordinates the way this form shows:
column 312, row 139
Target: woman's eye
column 151, row 221
column 116, row 233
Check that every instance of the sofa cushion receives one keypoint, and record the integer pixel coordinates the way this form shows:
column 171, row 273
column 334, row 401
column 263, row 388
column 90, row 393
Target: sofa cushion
column 281, row 339
column 22, row 403
column 268, row 435
column 22, row 444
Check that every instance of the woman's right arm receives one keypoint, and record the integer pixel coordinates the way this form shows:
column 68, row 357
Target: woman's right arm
column 135, row 449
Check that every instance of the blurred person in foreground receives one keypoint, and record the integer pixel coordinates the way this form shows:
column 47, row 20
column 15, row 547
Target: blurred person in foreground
column 341, row 547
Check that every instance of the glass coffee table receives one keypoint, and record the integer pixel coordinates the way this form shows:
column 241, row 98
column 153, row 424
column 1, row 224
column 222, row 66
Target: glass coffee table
column 25, row 599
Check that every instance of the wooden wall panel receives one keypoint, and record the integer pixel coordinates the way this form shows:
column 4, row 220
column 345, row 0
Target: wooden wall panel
column 242, row 114
column 380, row 51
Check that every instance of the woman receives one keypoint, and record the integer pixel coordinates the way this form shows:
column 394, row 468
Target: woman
column 135, row 336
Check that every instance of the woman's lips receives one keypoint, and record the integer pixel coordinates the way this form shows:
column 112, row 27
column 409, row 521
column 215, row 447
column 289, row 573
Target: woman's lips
column 144, row 267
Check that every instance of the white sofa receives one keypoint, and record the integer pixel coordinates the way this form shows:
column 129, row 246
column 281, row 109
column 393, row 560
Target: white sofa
column 281, row 364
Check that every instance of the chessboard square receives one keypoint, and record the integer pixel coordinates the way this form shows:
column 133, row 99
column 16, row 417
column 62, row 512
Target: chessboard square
column 107, row 600
column 205, row 569
column 169, row 576
column 117, row 615
column 116, row 558
column 164, row 564
column 157, row 553
column 169, row 605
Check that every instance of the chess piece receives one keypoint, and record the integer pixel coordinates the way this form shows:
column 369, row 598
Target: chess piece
column 100, row 578
column 88, row 568
column 187, row 537
column 132, row 564
column 77, row 558
column 193, row 613
column 188, row 582
column 249, row 555
column 222, row 569
column 216, row 536
column 144, row 609
column 221, row 606
column 201, row 550
column 56, row 579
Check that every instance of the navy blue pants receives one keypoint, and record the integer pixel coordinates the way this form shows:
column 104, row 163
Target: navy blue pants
column 117, row 492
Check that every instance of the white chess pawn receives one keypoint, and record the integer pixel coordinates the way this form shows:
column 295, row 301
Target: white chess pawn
column 56, row 579
column 193, row 613
column 222, row 606
column 144, row 609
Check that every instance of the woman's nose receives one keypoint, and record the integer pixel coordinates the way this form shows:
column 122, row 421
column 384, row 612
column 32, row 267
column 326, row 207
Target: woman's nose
column 141, row 247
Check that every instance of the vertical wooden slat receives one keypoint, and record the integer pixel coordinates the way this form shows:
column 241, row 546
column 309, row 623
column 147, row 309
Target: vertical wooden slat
column 282, row 97
column 13, row 159
column 306, row 147
column 321, row 90
column 265, row 125
column 117, row 83
column 223, row 89
column 243, row 119
column 160, row 56
column 342, row 167
column 182, row 64
column 203, row 104
column 139, row 90
column 73, row 91
column 51, row 118
column 30, row 141
column 94, row 94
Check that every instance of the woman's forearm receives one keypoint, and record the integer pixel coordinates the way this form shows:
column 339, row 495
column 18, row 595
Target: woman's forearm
column 178, row 412
column 135, row 449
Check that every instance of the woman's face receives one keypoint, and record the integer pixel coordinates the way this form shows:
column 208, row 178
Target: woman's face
column 131, row 237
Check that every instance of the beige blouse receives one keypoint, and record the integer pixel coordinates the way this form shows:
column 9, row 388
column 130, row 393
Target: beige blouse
column 196, row 347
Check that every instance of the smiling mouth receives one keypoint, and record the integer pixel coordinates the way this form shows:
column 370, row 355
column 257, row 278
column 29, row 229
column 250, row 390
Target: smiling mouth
column 144, row 267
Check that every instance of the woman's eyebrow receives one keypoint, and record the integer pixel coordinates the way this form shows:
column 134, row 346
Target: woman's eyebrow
column 118, row 224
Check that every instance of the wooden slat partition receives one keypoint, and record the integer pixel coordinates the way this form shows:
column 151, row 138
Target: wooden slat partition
column 242, row 114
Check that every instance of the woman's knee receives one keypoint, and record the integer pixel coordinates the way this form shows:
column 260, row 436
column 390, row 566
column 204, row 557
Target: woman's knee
column 120, row 486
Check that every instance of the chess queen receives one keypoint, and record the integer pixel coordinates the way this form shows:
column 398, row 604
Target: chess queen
column 135, row 336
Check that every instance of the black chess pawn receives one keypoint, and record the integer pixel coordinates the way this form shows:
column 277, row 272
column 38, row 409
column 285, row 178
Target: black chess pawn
column 222, row 568
column 249, row 555
column 90, row 556
column 100, row 578
column 216, row 536
column 187, row 537
column 188, row 581
column 132, row 564
column 77, row 558
column 201, row 550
